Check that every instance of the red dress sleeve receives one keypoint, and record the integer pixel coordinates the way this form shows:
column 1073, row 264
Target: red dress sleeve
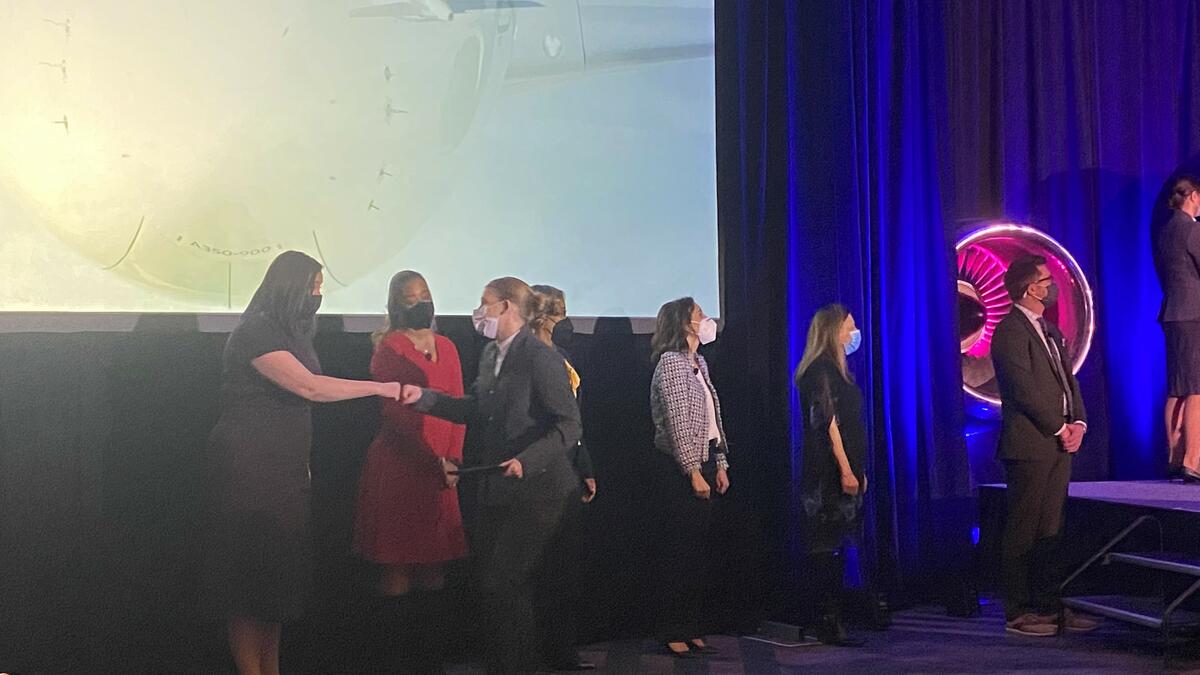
column 389, row 365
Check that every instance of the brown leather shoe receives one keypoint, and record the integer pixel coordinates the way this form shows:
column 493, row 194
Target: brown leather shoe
column 1031, row 625
column 1074, row 623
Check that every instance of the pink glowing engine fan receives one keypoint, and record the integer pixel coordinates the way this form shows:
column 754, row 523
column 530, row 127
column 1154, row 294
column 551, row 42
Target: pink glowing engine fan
column 984, row 254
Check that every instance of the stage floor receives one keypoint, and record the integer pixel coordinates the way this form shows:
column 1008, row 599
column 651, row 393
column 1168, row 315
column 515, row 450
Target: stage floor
column 1151, row 494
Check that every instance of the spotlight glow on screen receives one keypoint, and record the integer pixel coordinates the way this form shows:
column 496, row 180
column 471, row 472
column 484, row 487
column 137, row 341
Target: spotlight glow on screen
column 155, row 156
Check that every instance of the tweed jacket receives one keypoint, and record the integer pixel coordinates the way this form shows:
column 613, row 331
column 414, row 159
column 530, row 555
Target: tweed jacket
column 681, row 413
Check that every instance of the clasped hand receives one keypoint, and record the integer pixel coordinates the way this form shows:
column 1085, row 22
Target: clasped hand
column 702, row 490
column 1072, row 437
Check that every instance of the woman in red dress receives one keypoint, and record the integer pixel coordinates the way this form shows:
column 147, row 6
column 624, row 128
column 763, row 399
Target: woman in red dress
column 407, row 519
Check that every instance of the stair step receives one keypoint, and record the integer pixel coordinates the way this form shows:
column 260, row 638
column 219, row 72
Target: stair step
column 1142, row 611
column 1168, row 562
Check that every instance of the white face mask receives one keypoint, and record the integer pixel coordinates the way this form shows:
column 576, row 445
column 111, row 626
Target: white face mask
column 707, row 331
column 485, row 325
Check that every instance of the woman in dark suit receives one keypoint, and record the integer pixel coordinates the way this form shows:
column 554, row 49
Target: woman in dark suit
column 256, row 507
column 525, row 421
column 562, row 574
column 833, row 478
column 551, row 325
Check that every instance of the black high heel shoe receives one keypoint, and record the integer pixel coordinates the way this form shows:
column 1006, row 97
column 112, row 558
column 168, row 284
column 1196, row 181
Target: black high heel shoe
column 1189, row 476
column 830, row 631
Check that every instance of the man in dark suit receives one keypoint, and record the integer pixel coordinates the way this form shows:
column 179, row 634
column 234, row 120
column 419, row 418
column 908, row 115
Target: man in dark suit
column 525, row 421
column 1177, row 261
column 1044, row 422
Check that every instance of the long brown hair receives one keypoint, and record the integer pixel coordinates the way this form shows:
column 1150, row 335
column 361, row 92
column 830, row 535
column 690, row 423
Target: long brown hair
column 395, row 302
column 670, row 335
column 281, row 295
column 824, row 339
column 518, row 293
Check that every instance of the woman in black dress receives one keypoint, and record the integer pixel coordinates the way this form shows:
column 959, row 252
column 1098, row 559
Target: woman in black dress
column 833, row 477
column 259, row 568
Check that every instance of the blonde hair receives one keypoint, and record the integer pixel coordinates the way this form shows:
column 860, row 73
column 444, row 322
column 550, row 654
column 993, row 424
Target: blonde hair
column 518, row 293
column 548, row 302
column 824, row 339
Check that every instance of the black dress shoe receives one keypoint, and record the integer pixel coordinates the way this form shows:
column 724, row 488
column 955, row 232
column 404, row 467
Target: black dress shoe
column 843, row 640
column 1190, row 476
column 830, row 631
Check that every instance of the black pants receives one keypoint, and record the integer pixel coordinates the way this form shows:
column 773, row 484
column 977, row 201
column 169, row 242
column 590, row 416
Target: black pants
column 557, row 592
column 510, row 543
column 683, row 549
column 1036, row 495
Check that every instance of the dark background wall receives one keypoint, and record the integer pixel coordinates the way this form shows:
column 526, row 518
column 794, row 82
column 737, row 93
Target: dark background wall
column 101, row 451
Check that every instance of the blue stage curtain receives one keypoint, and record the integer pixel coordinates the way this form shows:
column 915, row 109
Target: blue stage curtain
column 853, row 138
column 1071, row 115
column 830, row 121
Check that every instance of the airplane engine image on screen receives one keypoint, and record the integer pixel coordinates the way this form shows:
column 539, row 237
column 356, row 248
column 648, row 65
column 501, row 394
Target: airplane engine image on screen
column 983, row 255
column 182, row 146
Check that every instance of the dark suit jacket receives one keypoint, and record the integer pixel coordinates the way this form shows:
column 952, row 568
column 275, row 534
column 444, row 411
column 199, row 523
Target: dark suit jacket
column 1029, row 389
column 581, row 459
column 527, row 412
column 1177, row 262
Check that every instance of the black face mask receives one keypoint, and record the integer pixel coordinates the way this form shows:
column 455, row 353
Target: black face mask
column 311, row 304
column 1051, row 296
column 417, row 317
column 563, row 333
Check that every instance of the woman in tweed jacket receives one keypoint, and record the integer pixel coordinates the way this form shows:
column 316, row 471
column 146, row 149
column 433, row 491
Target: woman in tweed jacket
column 689, row 466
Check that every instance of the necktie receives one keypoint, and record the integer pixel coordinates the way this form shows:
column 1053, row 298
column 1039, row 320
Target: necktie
column 487, row 361
column 1057, row 361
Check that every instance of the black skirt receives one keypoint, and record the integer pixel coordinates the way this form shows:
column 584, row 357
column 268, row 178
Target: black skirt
column 258, row 549
column 1183, row 358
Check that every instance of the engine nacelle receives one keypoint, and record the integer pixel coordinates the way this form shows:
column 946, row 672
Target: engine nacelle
column 984, row 254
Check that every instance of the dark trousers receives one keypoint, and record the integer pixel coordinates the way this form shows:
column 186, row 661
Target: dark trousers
column 557, row 594
column 1036, row 495
column 509, row 543
column 683, row 550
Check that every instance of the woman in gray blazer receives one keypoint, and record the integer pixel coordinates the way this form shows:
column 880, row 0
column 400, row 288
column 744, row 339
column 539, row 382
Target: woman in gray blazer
column 525, row 423
column 689, row 466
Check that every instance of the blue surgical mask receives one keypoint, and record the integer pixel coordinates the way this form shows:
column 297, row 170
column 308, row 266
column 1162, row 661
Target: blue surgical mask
column 855, row 342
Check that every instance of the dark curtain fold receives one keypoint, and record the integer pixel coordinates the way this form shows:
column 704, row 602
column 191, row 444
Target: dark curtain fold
column 1070, row 116
column 830, row 121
